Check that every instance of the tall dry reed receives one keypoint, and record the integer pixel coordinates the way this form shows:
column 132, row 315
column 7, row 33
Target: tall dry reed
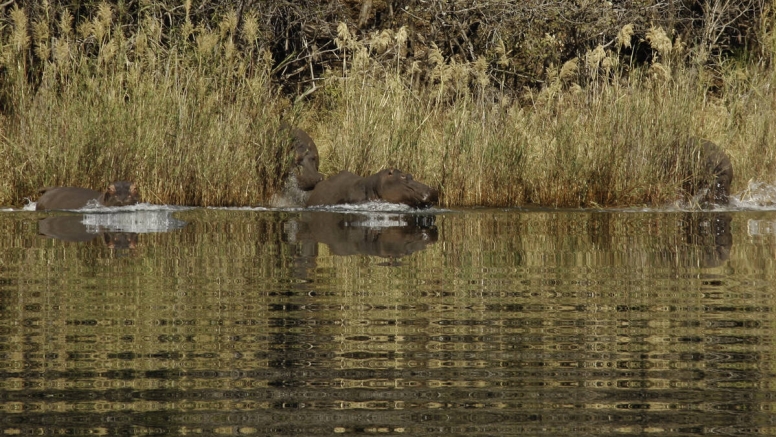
column 191, row 124
column 597, row 134
column 190, row 113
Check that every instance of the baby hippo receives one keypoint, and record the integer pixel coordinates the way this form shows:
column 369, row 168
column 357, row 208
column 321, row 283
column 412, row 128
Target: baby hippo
column 121, row 193
column 389, row 185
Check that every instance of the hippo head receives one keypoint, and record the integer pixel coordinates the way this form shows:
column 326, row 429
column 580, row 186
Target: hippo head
column 120, row 193
column 305, row 160
column 395, row 186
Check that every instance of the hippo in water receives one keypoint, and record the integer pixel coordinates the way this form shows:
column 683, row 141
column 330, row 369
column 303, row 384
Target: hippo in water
column 388, row 185
column 716, row 173
column 119, row 193
column 306, row 159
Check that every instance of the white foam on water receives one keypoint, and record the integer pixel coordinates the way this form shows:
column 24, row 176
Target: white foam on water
column 138, row 221
column 379, row 221
column 245, row 208
column 374, row 206
column 758, row 196
column 289, row 196
column 757, row 228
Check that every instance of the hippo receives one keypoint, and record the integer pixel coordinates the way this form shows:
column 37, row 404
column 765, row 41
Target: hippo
column 306, row 159
column 121, row 193
column 389, row 185
column 716, row 173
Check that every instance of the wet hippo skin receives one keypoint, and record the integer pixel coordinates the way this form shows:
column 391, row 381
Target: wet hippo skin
column 389, row 185
column 306, row 159
column 121, row 193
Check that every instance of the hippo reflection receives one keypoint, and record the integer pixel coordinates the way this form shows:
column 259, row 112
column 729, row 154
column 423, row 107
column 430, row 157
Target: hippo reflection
column 708, row 239
column 117, row 230
column 72, row 228
column 388, row 185
column 383, row 235
column 121, row 193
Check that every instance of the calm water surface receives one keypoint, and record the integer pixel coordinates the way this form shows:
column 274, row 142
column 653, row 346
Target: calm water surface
column 460, row 322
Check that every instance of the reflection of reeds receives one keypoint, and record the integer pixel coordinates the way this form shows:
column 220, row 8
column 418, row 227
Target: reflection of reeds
column 190, row 114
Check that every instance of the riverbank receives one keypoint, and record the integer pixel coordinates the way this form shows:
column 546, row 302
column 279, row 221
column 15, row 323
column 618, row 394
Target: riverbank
column 190, row 114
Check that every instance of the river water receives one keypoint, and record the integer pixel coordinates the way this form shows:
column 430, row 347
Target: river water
column 177, row 321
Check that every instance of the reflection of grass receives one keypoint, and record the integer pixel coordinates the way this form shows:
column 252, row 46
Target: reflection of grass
column 227, row 293
column 189, row 113
column 228, row 273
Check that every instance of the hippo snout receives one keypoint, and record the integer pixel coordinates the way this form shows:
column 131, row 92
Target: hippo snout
column 432, row 196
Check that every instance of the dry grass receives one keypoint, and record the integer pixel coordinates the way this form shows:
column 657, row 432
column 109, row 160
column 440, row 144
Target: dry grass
column 592, row 136
column 192, row 125
column 190, row 114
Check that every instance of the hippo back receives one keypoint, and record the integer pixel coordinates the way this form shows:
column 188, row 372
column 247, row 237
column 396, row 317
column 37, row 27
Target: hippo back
column 389, row 185
column 65, row 198
column 344, row 187
column 119, row 193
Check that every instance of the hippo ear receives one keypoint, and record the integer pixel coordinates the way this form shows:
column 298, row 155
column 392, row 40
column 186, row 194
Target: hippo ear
column 390, row 171
column 133, row 189
column 111, row 189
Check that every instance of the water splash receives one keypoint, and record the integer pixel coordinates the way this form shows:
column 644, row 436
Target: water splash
column 290, row 196
column 374, row 206
column 138, row 221
column 756, row 196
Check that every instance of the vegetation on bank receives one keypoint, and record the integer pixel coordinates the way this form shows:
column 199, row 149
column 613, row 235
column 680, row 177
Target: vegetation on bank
column 186, row 100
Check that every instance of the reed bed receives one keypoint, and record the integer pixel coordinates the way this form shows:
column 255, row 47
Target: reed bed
column 193, row 124
column 191, row 113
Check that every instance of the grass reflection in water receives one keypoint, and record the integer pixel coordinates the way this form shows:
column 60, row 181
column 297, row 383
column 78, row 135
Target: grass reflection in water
column 474, row 322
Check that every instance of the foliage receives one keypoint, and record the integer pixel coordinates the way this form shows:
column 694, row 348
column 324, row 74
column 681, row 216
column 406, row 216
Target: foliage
column 495, row 102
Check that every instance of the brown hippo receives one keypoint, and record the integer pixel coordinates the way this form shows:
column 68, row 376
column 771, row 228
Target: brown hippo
column 716, row 173
column 388, row 185
column 119, row 193
column 306, row 159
